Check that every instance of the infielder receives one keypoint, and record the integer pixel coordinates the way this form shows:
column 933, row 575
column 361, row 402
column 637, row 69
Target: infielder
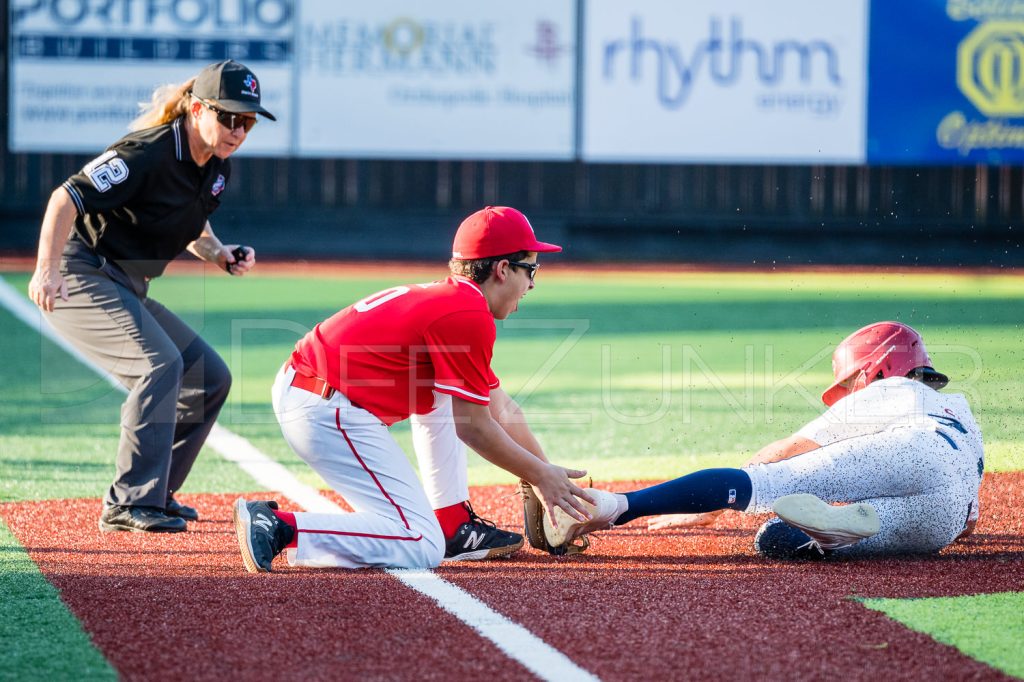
column 421, row 350
column 904, row 460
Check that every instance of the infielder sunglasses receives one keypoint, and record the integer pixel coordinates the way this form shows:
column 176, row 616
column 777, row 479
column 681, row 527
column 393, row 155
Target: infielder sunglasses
column 531, row 267
column 229, row 120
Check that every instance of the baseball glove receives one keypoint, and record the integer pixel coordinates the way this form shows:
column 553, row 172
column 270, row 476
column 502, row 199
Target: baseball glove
column 533, row 521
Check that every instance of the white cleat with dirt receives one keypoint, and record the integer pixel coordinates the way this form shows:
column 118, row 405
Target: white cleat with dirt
column 602, row 515
column 830, row 526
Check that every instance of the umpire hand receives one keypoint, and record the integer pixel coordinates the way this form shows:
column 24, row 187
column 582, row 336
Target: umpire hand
column 239, row 259
column 47, row 283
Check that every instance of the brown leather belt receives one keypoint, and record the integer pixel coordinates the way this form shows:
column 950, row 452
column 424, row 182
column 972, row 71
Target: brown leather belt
column 313, row 385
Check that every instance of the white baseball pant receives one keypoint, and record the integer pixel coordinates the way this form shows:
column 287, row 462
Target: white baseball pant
column 921, row 487
column 393, row 524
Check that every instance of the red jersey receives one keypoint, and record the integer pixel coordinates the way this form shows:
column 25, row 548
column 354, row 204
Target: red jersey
column 390, row 351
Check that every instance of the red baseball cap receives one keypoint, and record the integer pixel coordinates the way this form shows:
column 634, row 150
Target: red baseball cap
column 497, row 231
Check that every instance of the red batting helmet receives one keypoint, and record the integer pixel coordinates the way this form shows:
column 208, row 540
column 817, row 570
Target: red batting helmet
column 879, row 350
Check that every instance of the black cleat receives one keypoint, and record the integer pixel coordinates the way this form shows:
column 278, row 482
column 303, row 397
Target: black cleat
column 139, row 520
column 261, row 535
column 479, row 539
column 778, row 540
column 175, row 508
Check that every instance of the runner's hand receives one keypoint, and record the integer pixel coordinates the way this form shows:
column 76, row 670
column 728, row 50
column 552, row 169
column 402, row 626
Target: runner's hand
column 666, row 521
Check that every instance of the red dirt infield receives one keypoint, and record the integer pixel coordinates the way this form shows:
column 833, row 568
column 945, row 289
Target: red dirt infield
column 656, row 605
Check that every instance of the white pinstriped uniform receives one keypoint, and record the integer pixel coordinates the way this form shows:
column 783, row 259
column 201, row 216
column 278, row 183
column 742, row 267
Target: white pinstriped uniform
column 913, row 453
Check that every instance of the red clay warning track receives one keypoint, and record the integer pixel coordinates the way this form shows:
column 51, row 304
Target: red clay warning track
column 663, row 605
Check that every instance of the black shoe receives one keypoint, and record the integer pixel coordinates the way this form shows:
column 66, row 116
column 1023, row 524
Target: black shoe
column 261, row 535
column 778, row 540
column 175, row 508
column 140, row 520
column 480, row 539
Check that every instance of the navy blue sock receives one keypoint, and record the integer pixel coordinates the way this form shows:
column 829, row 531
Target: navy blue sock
column 701, row 491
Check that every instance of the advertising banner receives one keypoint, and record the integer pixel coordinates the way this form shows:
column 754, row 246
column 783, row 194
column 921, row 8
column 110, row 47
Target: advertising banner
column 947, row 82
column 80, row 68
column 724, row 81
column 455, row 79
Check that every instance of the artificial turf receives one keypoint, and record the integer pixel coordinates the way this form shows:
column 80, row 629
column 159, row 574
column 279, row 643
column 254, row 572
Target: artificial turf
column 628, row 376
column 987, row 627
column 631, row 376
column 41, row 639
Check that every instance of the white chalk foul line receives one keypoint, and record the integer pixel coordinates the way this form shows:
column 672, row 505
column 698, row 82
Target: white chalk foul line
column 513, row 639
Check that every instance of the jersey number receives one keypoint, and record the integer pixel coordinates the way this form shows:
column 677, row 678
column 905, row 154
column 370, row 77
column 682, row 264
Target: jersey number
column 380, row 298
column 106, row 171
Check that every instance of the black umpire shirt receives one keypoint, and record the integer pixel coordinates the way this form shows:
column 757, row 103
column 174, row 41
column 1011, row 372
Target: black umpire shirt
column 144, row 200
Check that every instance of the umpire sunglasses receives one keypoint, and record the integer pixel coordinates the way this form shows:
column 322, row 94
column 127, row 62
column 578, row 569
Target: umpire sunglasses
column 531, row 267
column 229, row 120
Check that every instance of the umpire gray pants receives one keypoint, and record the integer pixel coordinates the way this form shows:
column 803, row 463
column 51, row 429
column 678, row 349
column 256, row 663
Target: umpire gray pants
column 176, row 382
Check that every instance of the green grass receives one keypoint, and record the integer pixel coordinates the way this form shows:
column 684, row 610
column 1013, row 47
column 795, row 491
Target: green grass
column 626, row 375
column 987, row 627
column 58, row 428
column 30, row 606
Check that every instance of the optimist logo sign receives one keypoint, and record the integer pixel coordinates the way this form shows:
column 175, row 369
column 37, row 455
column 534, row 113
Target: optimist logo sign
column 965, row 102
column 990, row 68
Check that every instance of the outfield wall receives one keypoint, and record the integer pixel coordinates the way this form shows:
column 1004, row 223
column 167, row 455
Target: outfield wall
column 649, row 129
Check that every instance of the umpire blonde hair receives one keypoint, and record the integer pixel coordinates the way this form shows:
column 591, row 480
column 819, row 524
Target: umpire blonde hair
column 167, row 103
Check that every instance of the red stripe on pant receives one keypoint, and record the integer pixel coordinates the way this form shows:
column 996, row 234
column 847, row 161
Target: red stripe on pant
column 337, row 419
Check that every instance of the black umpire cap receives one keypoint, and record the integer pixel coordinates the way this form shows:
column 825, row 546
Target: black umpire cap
column 232, row 86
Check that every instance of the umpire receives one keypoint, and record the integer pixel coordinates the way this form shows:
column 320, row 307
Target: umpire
column 107, row 232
